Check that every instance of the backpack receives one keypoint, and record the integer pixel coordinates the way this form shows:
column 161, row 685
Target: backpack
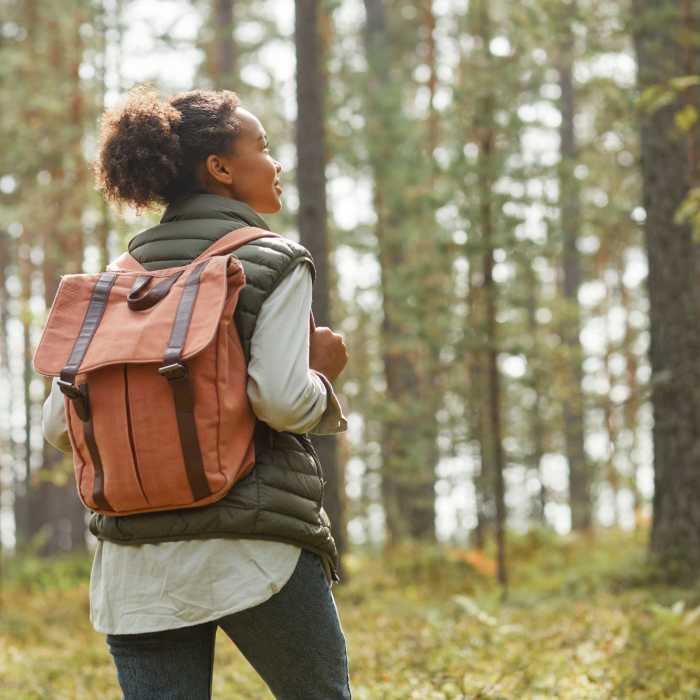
column 154, row 377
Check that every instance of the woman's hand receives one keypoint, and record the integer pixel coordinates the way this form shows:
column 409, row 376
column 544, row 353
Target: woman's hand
column 327, row 352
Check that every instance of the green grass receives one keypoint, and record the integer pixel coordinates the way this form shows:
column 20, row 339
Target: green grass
column 584, row 619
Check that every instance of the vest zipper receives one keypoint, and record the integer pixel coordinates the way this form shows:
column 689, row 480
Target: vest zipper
column 131, row 434
column 307, row 440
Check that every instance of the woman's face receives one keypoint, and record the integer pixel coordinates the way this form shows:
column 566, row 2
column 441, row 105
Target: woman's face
column 248, row 173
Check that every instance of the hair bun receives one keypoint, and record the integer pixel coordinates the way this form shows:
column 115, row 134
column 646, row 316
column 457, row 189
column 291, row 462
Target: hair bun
column 140, row 153
column 174, row 115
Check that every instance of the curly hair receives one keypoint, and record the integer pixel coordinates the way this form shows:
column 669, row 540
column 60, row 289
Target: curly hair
column 149, row 148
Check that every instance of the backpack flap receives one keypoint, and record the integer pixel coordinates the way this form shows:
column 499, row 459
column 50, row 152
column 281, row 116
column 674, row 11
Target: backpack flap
column 92, row 323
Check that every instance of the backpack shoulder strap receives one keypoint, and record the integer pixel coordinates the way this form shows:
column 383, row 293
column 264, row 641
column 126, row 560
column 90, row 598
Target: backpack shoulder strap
column 226, row 244
column 238, row 238
column 126, row 262
column 234, row 239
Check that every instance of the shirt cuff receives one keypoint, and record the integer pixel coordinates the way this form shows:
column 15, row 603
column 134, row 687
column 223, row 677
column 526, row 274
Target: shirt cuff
column 332, row 419
column 53, row 420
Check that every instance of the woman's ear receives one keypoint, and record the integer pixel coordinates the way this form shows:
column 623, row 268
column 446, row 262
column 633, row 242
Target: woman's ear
column 218, row 169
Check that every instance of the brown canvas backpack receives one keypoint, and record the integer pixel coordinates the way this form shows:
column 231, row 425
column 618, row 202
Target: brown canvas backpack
column 154, row 378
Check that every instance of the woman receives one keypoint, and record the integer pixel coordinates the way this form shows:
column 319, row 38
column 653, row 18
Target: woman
column 260, row 562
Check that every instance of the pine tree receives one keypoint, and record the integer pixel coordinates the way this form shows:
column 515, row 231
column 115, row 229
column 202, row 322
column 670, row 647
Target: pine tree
column 663, row 34
column 312, row 214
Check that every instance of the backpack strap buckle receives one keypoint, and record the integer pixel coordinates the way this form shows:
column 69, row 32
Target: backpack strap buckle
column 174, row 371
column 78, row 397
column 68, row 388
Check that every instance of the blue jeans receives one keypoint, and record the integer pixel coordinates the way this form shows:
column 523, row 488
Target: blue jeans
column 293, row 640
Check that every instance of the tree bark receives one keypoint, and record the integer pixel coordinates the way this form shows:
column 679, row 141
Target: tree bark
column 433, row 269
column 225, row 73
column 485, row 131
column 312, row 215
column 674, row 297
column 580, row 478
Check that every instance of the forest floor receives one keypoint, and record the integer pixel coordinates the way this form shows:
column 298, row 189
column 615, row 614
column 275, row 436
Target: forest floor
column 584, row 619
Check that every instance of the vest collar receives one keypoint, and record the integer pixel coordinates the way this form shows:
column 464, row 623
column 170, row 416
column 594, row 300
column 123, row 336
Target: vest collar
column 200, row 205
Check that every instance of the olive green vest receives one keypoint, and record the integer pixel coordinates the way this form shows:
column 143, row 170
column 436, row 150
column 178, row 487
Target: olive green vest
column 281, row 498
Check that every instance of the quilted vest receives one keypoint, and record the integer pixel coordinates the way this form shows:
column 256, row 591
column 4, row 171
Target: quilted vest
column 281, row 499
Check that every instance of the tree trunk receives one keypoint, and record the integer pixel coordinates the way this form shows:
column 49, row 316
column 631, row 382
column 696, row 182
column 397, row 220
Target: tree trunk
column 485, row 130
column 404, row 468
column 472, row 345
column 102, row 22
column 610, row 414
column 312, row 214
column 475, row 359
column 580, row 479
column 631, row 407
column 26, row 517
column 53, row 495
column 225, row 73
column 433, row 266
column 7, row 446
column 537, row 382
column 674, row 295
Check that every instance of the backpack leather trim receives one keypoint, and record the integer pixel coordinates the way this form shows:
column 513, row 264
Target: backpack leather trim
column 98, row 485
column 182, row 387
column 80, row 395
column 91, row 321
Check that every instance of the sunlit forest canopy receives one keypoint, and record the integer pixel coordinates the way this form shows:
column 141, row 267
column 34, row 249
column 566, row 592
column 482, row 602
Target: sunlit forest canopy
column 424, row 232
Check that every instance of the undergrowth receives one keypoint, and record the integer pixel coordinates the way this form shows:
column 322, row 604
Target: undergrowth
column 584, row 617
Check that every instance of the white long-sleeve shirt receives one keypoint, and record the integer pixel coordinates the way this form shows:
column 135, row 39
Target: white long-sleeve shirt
column 150, row 587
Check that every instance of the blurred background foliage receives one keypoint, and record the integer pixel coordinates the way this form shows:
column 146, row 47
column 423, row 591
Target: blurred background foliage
column 511, row 194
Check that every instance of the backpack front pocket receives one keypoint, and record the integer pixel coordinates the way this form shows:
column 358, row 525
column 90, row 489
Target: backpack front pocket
column 130, row 432
column 156, row 438
column 106, row 468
